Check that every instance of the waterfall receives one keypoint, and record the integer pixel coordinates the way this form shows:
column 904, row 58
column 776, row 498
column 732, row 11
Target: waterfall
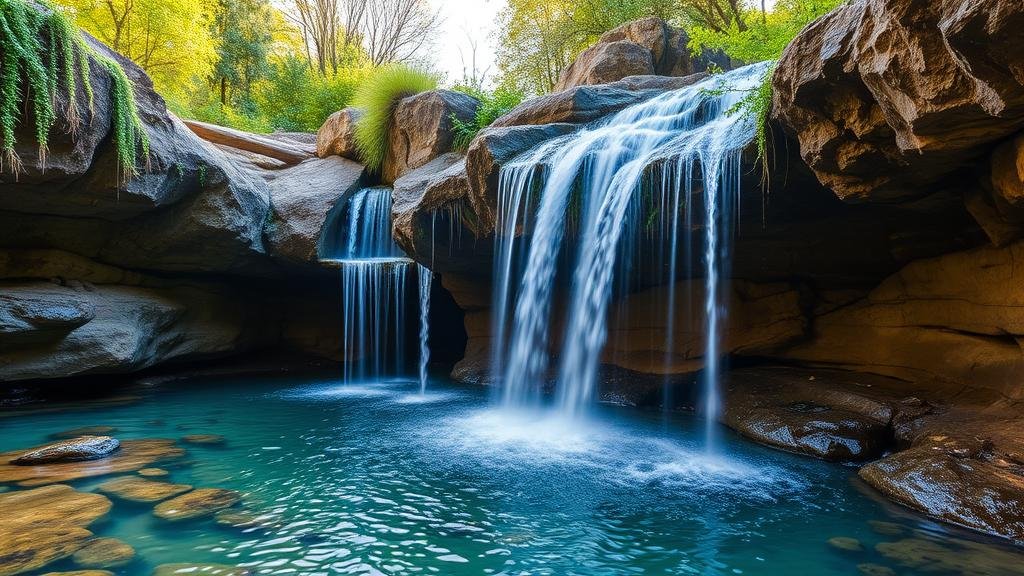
column 586, row 184
column 426, row 278
column 373, row 276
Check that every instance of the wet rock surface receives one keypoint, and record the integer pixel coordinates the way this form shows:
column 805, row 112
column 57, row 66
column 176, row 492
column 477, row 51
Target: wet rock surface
column 135, row 489
column 132, row 455
column 199, row 503
column 828, row 414
column 74, row 450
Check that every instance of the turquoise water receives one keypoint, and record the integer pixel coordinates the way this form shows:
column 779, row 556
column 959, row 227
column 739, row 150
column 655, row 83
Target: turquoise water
column 375, row 479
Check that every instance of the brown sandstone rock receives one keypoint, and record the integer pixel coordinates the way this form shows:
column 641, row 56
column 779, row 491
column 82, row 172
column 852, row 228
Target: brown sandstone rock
column 421, row 129
column 135, row 489
column 304, row 198
column 640, row 47
column 1008, row 179
column 198, row 503
column 337, row 135
column 104, row 553
column 886, row 96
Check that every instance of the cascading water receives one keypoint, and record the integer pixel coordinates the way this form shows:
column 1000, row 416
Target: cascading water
column 426, row 279
column 373, row 276
column 600, row 169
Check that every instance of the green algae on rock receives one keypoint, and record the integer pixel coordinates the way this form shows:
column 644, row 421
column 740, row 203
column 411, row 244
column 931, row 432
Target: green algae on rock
column 104, row 553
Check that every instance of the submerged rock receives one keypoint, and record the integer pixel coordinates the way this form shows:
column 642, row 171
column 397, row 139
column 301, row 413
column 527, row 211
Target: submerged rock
column 185, row 569
column 132, row 455
column 76, row 450
column 953, row 557
column 199, row 503
column 104, row 553
column 245, row 519
column 135, row 489
column 203, row 439
column 81, row 573
column 44, row 525
column 153, row 472
column 846, row 544
column 868, row 569
column 84, row 431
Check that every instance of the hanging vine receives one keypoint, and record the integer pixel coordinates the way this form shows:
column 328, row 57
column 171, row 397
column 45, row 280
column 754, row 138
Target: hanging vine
column 42, row 54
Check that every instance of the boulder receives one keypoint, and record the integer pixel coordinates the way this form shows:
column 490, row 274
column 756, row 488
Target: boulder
column 337, row 135
column 820, row 413
column 640, row 47
column 962, row 479
column 421, row 129
column 75, row 450
column 1007, row 179
column 419, row 195
column 489, row 151
column 582, row 104
column 304, row 198
column 888, row 96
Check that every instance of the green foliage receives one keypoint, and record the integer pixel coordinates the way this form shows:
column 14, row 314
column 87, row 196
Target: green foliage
column 758, row 37
column 377, row 97
column 39, row 52
column 493, row 105
column 244, row 47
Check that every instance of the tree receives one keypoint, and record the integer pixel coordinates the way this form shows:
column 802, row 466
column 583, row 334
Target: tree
column 397, row 30
column 170, row 39
column 242, row 54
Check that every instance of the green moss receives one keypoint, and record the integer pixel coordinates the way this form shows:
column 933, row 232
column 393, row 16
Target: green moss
column 378, row 97
column 39, row 50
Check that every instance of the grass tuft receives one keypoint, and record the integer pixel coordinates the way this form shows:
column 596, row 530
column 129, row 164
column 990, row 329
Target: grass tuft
column 377, row 97
column 39, row 50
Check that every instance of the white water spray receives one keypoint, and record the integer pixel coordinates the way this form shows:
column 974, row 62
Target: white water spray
column 589, row 180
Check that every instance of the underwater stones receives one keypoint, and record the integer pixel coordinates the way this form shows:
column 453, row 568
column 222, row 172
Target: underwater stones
column 824, row 417
column 887, row 528
column 244, row 519
column 81, row 573
column 886, row 96
column 846, row 544
column 135, row 489
column 132, row 455
column 961, row 557
column 84, row 431
column 868, row 569
column 74, row 450
column 421, row 129
column 45, row 524
column 337, row 135
column 104, row 553
column 303, row 199
column 197, row 504
column 153, row 472
column 185, row 569
column 204, row 439
column 960, row 481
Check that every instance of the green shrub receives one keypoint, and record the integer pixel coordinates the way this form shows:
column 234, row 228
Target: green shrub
column 493, row 105
column 39, row 50
column 377, row 97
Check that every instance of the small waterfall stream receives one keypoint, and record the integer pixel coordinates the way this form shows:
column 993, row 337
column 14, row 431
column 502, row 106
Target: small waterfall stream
column 426, row 280
column 588, row 184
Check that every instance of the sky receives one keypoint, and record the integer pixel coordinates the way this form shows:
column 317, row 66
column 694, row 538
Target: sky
column 466, row 21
